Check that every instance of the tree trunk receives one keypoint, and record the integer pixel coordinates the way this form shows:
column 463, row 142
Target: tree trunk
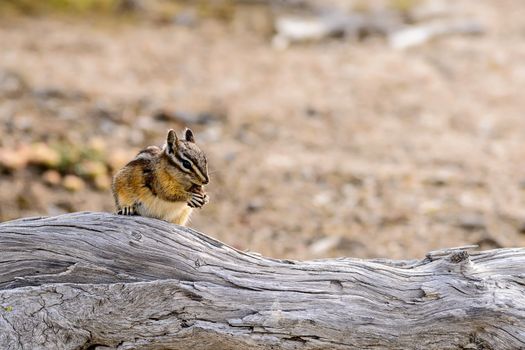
column 100, row 281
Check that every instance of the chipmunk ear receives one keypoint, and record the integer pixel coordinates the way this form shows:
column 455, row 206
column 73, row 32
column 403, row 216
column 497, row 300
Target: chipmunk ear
column 188, row 135
column 171, row 141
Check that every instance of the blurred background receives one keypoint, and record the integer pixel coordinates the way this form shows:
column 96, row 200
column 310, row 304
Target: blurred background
column 333, row 128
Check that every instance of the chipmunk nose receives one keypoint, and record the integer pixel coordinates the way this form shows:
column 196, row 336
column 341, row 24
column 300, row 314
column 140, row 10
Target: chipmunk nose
column 205, row 182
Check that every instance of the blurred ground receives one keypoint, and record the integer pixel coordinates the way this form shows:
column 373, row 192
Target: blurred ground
column 334, row 148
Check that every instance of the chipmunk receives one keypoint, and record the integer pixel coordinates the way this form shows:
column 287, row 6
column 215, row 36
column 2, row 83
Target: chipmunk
column 165, row 183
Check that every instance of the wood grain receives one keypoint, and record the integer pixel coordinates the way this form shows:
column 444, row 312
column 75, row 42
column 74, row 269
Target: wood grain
column 101, row 281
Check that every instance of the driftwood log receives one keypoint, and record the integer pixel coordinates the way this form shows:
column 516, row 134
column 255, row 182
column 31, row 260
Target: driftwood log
column 100, row 281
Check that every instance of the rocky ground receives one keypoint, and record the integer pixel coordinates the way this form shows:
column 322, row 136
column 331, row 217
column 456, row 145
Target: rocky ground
column 324, row 149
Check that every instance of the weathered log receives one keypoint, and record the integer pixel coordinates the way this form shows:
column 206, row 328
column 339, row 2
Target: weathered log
column 100, row 281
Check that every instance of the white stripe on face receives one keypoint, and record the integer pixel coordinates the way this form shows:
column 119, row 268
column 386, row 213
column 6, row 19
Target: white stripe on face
column 175, row 160
column 198, row 172
column 193, row 167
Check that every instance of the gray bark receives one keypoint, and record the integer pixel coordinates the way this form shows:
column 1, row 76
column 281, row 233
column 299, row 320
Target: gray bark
column 100, row 281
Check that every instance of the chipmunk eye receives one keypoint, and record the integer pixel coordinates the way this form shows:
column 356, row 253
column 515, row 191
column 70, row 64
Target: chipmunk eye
column 186, row 164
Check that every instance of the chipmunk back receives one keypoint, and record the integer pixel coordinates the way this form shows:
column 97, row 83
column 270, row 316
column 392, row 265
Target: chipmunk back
column 164, row 183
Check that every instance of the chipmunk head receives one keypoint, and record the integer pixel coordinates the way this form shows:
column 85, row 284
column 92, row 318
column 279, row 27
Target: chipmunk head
column 187, row 157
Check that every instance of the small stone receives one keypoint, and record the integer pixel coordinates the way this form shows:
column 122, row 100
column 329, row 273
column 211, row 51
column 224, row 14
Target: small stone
column 521, row 184
column 323, row 245
column 430, row 207
column 190, row 118
column 488, row 243
column 131, row 6
column 311, row 112
column 92, row 169
column 73, row 183
column 441, row 177
column 54, row 210
column 12, row 159
column 323, row 199
column 52, row 177
column 254, row 205
column 102, row 182
column 98, row 144
column 187, row 18
column 11, row 84
column 49, row 92
column 42, row 154
column 471, row 222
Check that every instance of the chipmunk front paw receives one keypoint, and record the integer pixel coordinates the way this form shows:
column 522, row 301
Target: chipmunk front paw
column 130, row 210
column 198, row 200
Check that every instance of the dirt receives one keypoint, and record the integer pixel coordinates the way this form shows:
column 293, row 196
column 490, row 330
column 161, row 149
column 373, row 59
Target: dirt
column 335, row 148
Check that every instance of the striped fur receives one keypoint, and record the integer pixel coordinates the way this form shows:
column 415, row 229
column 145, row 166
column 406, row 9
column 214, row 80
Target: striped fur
column 186, row 151
column 164, row 183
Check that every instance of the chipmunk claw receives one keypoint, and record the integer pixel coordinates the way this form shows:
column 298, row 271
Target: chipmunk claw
column 130, row 210
column 198, row 200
